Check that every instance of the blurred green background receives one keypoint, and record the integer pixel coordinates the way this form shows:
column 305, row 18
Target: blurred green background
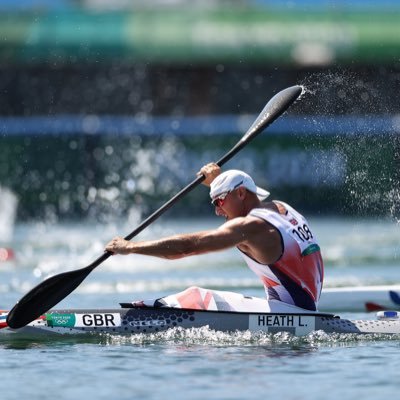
column 108, row 108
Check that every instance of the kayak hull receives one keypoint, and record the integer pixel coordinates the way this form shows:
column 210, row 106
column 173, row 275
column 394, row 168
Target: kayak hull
column 144, row 320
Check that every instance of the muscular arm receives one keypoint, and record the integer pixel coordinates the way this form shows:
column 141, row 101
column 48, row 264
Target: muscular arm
column 232, row 233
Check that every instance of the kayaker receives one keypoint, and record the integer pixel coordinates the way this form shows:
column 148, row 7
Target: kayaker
column 275, row 240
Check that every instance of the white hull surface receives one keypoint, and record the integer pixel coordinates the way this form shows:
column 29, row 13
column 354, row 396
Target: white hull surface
column 360, row 298
column 134, row 320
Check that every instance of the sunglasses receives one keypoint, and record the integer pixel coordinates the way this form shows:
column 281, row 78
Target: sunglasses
column 220, row 200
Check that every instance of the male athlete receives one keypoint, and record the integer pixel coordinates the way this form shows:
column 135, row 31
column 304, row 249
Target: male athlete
column 275, row 240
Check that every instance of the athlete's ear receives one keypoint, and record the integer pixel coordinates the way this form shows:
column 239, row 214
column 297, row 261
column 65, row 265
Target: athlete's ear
column 242, row 191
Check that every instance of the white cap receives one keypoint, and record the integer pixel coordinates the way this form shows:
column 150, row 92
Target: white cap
column 232, row 179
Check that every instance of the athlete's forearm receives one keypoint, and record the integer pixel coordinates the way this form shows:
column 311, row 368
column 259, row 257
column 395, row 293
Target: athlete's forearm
column 170, row 248
column 174, row 247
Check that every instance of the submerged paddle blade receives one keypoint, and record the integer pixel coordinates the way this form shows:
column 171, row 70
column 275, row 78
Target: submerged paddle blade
column 44, row 296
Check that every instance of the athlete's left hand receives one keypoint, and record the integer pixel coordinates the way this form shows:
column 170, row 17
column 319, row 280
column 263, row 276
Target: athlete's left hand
column 118, row 246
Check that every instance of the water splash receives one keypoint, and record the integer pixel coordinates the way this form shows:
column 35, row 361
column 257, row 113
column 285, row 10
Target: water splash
column 281, row 344
column 205, row 336
column 369, row 185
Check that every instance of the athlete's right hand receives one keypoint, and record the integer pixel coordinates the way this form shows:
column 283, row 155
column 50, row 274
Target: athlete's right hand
column 210, row 171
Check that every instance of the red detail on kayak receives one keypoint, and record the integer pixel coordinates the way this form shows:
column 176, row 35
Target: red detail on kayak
column 373, row 307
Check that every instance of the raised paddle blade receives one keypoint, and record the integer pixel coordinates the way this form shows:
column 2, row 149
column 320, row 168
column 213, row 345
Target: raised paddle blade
column 51, row 291
column 272, row 110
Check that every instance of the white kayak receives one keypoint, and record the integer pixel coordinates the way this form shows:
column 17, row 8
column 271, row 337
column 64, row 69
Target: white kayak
column 360, row 298
column 130, row 319
column 224, row 311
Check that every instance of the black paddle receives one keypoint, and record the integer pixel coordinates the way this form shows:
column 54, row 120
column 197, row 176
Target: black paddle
column 54, row 289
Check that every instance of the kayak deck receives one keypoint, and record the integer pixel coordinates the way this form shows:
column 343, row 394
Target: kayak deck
column 135, row 320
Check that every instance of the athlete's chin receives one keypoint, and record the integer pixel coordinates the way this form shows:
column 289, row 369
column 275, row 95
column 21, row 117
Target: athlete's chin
column 220, row 214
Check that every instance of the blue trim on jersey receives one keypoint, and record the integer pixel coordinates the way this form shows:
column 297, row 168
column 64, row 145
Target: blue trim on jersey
column 300, row 297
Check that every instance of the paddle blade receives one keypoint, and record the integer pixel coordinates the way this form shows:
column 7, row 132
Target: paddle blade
column 273, row 110
column 44, row 296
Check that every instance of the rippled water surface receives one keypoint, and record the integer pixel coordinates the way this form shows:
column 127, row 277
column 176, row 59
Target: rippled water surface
column 200, row 363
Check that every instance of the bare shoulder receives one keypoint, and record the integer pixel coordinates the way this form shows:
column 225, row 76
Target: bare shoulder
column 276, row 206
column 248, row 224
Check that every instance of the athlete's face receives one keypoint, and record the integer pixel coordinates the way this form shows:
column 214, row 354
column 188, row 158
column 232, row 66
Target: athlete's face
column 230, row 205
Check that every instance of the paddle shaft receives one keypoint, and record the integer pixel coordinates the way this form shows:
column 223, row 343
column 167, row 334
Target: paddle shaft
column 52, row 290
column 273, row 109
column 251, row 133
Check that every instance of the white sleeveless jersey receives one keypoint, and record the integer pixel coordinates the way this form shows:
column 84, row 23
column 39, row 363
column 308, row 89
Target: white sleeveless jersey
column 296, row 278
